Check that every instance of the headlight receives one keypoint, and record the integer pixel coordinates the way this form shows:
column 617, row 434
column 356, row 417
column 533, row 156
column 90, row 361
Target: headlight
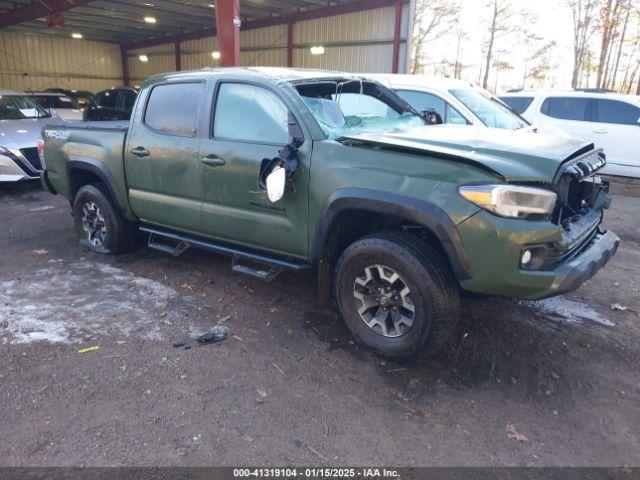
column 511, row 200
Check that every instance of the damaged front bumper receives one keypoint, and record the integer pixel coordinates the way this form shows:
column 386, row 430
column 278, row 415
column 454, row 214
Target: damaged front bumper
column 495, row 249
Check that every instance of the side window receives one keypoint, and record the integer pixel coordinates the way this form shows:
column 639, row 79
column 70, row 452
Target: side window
column 422, row 101
column 566, row 108
column 107, row 99
column 250, row 113
column 354, row 104
column 128, row 99
column 172, row 109
column 614, row 111
column 519, row 104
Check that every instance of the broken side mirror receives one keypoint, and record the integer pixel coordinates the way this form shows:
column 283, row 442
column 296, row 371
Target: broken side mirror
column 275, row 182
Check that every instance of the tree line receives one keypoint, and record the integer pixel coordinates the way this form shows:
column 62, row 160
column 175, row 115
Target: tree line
column 606, row 43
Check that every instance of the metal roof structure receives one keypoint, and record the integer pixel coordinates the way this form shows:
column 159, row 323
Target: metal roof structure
column 123, row 21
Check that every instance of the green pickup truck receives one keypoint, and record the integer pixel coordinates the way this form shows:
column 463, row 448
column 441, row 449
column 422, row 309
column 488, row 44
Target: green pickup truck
column 287, row 170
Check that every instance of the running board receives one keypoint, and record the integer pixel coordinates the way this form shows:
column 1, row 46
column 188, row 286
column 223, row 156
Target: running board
column 275, row 265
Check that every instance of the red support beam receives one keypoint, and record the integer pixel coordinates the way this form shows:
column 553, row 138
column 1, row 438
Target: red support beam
column 176, row 47
column 290, row 44
column 36, row 10
column 396, row 38
column 339, row 9
column 228, row 28
column 125, row 66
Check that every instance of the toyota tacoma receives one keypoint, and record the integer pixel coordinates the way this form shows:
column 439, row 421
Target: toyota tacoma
column 287, row 169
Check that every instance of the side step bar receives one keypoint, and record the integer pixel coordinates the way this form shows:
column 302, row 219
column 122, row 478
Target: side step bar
column 182, row 242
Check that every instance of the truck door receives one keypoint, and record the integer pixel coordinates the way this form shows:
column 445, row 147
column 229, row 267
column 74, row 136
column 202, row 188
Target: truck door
column 250, row 123
column 162, row 161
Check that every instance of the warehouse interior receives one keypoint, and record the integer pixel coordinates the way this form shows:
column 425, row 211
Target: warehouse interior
column 96, row 45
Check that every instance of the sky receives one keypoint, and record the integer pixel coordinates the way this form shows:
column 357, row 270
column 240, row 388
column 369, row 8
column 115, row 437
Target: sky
column 554, row 24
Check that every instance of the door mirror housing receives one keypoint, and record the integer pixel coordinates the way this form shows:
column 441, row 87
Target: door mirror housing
column 276, row 181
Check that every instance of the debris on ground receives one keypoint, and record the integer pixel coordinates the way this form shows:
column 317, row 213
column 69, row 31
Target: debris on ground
column 513, row 434
column 216, row 334
column 621, row 308
column 179, row 344
column 261, row 397
column 89, row 349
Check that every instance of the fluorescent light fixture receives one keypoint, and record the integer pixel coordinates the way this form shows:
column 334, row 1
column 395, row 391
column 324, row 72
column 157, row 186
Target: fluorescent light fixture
column 317, row 50
column 211, row 5
column 143, row 58
column 215, row 55
column 150, row 19
column 76, row 35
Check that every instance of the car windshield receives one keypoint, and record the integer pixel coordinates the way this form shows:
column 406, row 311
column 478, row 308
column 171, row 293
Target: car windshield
column 18, row 107
column 489, row 110
column 352, row 107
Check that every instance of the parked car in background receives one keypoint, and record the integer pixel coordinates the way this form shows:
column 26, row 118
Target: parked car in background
column 21, row 123
column 291, row 169
column 65, row 107
column 81, row 97
column 112, row 104
column 458, row 102
column 610, row 120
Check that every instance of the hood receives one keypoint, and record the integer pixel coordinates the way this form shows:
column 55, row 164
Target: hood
column 23, row 133
column 515, row 155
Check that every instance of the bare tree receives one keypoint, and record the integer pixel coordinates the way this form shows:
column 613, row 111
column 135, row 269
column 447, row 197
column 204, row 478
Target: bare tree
column 500, row 14
column 431, row 19
column 582, row 13
column 606, row 26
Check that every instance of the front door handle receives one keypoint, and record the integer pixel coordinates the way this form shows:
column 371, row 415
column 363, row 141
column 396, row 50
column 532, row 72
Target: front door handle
column 140, row 152
column 213, row 161
column 600, row 130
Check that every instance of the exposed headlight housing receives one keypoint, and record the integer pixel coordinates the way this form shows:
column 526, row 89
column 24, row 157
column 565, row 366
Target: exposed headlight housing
column 512, row 201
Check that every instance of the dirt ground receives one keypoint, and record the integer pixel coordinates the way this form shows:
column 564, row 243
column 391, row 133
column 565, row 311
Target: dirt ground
column 289, row 387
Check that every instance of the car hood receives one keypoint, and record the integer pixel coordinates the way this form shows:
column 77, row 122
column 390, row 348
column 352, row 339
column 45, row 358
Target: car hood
column 23, row 133
column 515, row 155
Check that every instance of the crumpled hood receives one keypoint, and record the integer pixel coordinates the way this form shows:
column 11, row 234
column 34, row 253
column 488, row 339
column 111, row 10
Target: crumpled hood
column 23, row 133
column 516, row 155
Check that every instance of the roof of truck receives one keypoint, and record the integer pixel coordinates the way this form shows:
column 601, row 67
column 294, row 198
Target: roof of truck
column 271, row 73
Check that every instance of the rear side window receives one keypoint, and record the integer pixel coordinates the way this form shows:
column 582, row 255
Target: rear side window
column 108, row 99
column 172, row 109
column 615, row 111
column 250, row 113
column 54, row 101
column 519, row 104
column 127, row 100
column 566, row 108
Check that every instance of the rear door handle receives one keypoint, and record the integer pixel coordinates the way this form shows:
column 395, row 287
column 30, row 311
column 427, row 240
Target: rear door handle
column 140, row 152
column 600, row 130
column 213, row 161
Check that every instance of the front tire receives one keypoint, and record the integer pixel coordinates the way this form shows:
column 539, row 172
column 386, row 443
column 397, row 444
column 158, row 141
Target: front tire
column 99, row 226
column 397, row 294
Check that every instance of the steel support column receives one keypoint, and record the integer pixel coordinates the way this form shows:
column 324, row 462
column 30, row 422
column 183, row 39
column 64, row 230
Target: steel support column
column 396, row 38
column 125, row 66
column 228, row 31
column 176, row 48
column 290, row 44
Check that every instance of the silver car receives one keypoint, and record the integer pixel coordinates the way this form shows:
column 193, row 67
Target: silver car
column 21, row 122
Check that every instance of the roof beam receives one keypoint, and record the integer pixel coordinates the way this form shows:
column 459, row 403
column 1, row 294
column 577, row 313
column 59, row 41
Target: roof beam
column 36, row 10
column 339, row 9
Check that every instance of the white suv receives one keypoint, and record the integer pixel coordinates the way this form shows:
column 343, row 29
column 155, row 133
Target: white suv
column 610, row 120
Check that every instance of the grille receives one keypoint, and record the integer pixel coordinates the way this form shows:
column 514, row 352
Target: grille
column 577, row 186
column 31, row 155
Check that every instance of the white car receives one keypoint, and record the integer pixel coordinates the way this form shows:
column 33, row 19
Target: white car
column 64, row 106
column 458, row 102
column 609, row 120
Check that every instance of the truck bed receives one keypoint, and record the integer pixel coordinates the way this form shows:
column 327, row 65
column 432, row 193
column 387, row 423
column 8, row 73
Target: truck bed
column 102, row 125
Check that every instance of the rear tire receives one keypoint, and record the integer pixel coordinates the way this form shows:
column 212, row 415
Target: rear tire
column 99, row 226
column 397, row 294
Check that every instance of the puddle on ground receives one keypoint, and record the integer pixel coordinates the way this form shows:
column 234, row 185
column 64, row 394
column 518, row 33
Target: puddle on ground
column 62, row 303
column 560, row 309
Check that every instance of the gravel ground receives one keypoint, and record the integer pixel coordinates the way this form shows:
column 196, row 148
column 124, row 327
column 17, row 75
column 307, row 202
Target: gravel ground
column 288, row 386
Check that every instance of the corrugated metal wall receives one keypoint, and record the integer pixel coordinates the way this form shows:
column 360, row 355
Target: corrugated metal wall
column 36, row 62
column 354, row 42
